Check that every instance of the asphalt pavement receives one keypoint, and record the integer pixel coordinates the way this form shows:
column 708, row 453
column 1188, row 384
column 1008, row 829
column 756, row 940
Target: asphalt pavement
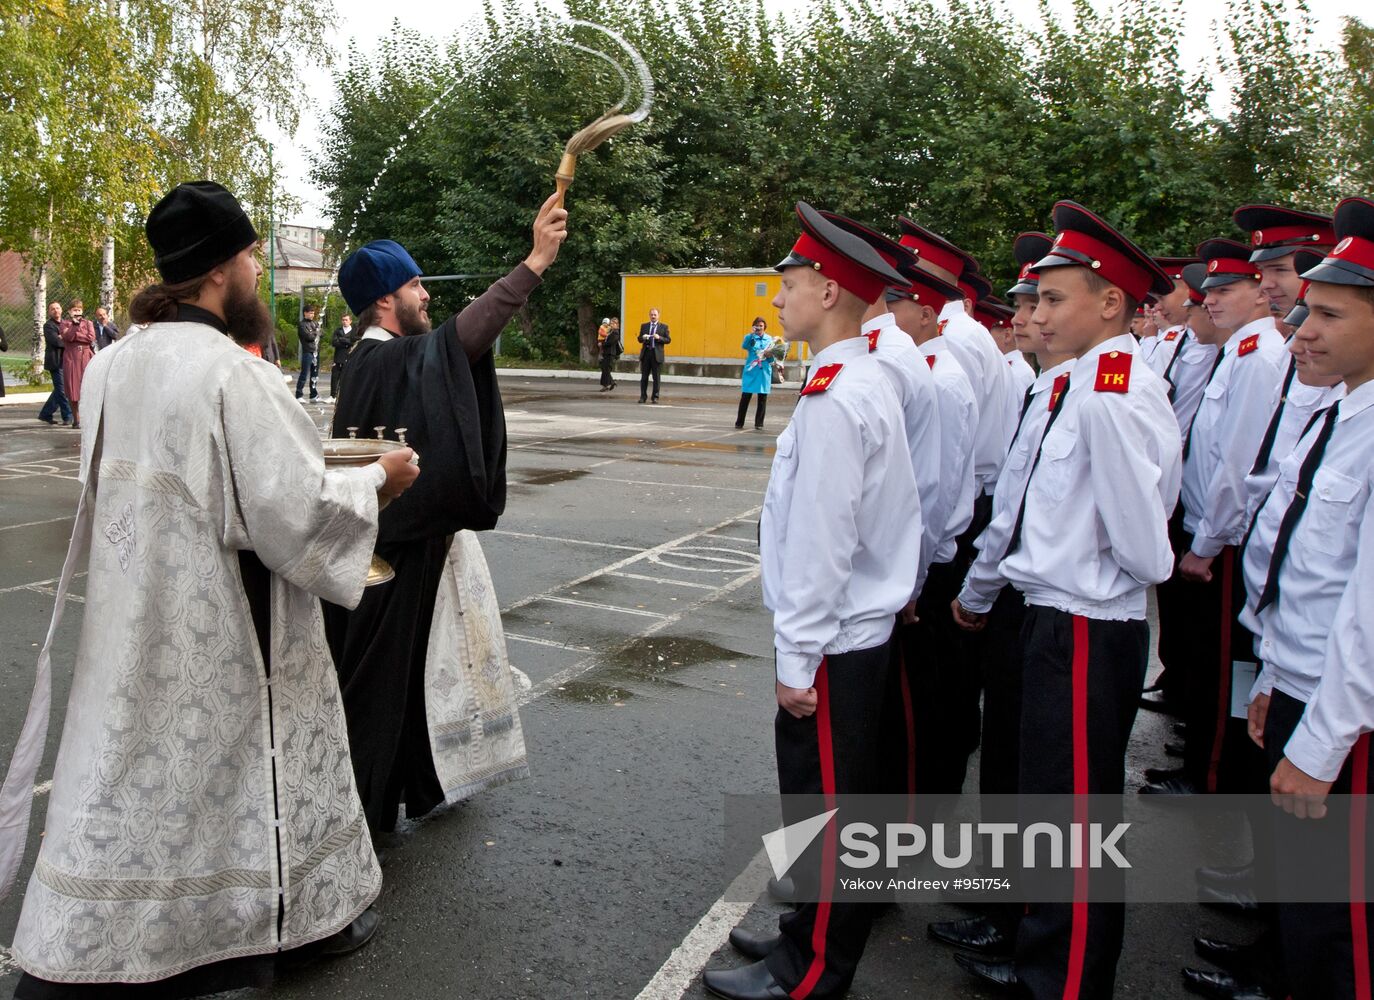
column 627, row 570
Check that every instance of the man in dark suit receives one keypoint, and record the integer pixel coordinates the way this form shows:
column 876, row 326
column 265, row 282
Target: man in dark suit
column 653, row 335
column 52, row 362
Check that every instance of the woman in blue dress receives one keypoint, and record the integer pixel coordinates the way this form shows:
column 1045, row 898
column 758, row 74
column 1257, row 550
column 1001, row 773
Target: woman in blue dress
column 758, row 372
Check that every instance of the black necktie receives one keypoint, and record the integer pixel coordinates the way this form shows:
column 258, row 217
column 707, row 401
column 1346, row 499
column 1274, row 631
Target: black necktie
column 1188, row 441
column 1169, row 369
column 1295, row 508
column 1025, row 408
column 1015, row 541
column 1266, row 449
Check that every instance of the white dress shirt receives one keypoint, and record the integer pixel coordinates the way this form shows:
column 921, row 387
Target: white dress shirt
column 912, row 381
column 1095, row 532
column 1188, row 375
column 1020, row 376
column 1226, row 435
column 1314, row 641
column 840, row 533
column 1302, row 402
column 1156, row 351
column 984, row 580
column 977, row 354
column 958, row 432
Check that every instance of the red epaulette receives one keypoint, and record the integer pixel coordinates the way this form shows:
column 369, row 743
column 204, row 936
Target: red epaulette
column 930, row 361
column 1171, row 336
column 822, row 379
column 873, row 340
column 1113, row 372
column 1248, row 346
column 1057, row 390
column 940, row 329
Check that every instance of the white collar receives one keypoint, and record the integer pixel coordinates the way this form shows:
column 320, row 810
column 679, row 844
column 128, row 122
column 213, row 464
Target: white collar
column 1357, row 401
column 1046, row 378
column 1255, row 326
column 377, row 333
column 934, row 346
column 883, row 321
column 952, row 308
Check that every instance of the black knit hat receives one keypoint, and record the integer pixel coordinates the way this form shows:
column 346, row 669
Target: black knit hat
column 195, row 227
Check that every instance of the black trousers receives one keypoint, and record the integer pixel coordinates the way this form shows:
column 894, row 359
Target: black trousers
column 1087, row 676
column 759, row 411
column 835, row 751
column 1173, row 615
column 999, row 767
column 1326, row 946
column 648, row 365
column 336, row 379
column 607, row 362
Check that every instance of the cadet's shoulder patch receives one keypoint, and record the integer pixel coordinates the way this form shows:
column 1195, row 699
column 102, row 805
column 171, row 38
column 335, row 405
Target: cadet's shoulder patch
column 1248, row 346
column 873, row 340
column 1113, row 372
column 1171, row 336
column 940, row 328
column 930, row 361
column 822, row 380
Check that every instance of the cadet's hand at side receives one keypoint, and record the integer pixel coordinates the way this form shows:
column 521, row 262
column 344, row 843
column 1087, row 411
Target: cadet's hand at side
column 1297, row 792
column 1256, row 713
column 1195, row 568
column 797, row 702
column 907, row 616
column 969, row 621
column 400, row 473
column 550, row 230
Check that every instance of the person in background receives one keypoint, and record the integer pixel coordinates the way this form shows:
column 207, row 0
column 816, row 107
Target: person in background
column 106, row 333
column 653, row 335
column 612, row 346
column 78, row 340
column 343, row 342
column 4, row 346
column 52, row 364
column 757, row 378
column 308, row 329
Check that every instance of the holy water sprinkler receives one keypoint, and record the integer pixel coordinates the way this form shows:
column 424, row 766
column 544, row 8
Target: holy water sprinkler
column 613, row 121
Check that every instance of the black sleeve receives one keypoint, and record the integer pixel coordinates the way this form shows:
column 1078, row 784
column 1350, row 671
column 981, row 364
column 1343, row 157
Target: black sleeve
column 663, row 333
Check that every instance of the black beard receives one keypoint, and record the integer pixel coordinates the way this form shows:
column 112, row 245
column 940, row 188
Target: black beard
column 248, row 320
column 413, row 321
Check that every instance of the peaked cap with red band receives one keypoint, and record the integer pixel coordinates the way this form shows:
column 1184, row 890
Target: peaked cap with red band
column 1303, row 260
column 1082, row 239
column 917, row 285
column 1276, row 231
column 840, row 256
column 1193, row 276
column 1028, row 248
column 1227, row 262
column 992, row 313
column 974, row 286
column 898, row 257
column 1351, row 261
column 1173, row 266
column 933, row 248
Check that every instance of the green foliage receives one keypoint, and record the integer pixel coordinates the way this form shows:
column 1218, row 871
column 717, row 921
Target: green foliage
column 944, row 111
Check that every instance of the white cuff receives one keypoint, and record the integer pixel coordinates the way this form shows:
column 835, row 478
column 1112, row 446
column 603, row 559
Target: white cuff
column 1312, row 756
column 970, row 600
column 1207, row 548
column 797, row 670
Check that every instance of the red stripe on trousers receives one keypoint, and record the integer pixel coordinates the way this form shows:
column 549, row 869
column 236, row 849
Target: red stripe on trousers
column 910, row 714
column 828, row 851
column 1078, row 935
column 1228, row 565
column 1359, row 921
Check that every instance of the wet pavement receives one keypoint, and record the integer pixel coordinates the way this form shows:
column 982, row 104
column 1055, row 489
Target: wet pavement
column 627, row 571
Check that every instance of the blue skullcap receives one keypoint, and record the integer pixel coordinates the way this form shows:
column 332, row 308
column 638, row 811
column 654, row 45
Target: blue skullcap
column 373, row 270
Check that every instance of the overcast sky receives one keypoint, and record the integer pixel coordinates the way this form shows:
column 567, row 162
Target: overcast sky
column 366, row 21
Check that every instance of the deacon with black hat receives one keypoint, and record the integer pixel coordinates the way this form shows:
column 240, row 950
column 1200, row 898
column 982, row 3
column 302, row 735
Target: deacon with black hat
column 1088, row 539
column 405, row 695
column 1309, row 573
column 839, row 540
column 203, row 808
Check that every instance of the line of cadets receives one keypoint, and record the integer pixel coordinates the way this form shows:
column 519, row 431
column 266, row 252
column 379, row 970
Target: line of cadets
column 944, row 523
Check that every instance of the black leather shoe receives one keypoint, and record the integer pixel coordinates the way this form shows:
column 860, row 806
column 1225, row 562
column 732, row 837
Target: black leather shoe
column 1238, row 898
column 1000, row 973
column 1173, row 749
column 1221, row 986
column 755, row 945
column 972, row 934
column 655, row 401
column 1229, row 877
column 643, row 400
column 48, row 420
column 354, row 936
column 1180, row 729
column 739, row 427
column 1154, row 775
column 1154, row 701
column 784, row 890
column 1171, row 786
column 1227, row 955
column 752, row 982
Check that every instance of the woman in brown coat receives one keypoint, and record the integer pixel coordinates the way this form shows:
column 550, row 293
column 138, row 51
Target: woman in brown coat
column 79, row 337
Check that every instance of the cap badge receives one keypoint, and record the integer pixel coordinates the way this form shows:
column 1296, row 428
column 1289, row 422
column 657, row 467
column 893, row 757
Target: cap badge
column 1342, row 246
column 1096, row 264
column 1257, row 237
column 1212, row 265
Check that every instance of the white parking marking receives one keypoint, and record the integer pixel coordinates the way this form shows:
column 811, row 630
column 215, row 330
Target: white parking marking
column 605, row 607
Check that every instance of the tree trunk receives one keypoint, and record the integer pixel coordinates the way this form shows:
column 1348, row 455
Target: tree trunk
column 586, row 333
column 40, row 315
column 107, row 288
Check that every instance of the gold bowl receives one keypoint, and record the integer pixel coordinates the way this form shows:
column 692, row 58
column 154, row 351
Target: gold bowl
column 352, row 453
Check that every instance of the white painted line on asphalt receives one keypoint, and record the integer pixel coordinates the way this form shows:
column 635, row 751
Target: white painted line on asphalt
column 597, row 659
column 664, row 579
column 37, row 583
column 563, row 541
column 52, row 592
column 686, row 486
column 36, row 524
column 683, row 967
column 643, row 613
column 522, row 679
column 534, row 640
column 619, row 563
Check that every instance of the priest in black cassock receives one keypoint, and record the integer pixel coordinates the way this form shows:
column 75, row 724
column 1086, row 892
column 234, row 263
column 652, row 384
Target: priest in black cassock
column 426, row 687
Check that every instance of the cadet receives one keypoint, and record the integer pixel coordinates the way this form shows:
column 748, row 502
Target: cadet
column 1172, row 313
column 1276, row 233
column 1109, row 454
column 1309, row 568
column 839, row 540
